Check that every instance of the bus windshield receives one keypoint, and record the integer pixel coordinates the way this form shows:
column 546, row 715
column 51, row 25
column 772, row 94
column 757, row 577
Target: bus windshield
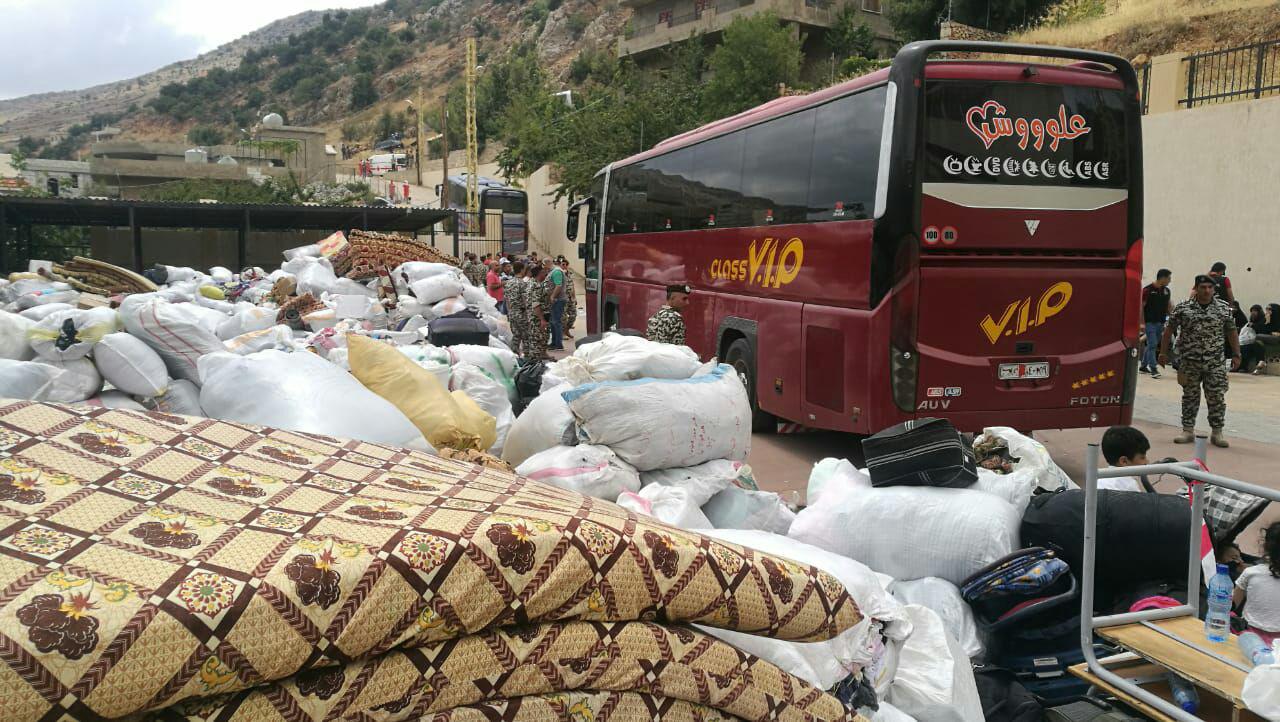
column 505, row 201
column 1025, row 134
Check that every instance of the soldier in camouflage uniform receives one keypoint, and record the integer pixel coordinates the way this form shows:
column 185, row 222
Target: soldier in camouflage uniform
column 667, row 325
column 517, row 307
column 1202, row 323
column 538, row 297
column 571, row 299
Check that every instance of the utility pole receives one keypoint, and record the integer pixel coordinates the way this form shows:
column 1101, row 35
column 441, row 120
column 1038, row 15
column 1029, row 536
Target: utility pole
column 473, row 161
column 444, row 152
column 422, row 137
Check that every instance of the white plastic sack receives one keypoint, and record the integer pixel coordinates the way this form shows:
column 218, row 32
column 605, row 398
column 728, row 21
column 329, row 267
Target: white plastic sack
column 498, row 364
column 415, row 271
column 590, row 470
column 1016, row 488
column 824, row 664
column 1033, row 458
column 910, row 532
column 308, row 251
column 171, row 331
column 116, row 400
column 829, row 469
column 704, row 480
column 38, row 312
column 1261, row 693
column 182, row 398
column 246, row 318
column 623, row 358
column 32, row 292
column 434, row 359
column 177, row 274
column 735, row 508
column 544, row 423
column 300, row 392
column 68, row 335
column 208, row 318
column 488, row 395
column 944, row 599
column 59, row 381
column 934, row 681
column 221, row 274
column 449, row 306
column 280, row 338
column 13, row 337
column 434, row 289
column 660, row 424
column 668, row 504
column 889, row 713
column 131, row 365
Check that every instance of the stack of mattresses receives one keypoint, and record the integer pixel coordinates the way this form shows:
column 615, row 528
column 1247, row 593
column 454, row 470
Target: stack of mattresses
column 366, row 252
column 197, row 569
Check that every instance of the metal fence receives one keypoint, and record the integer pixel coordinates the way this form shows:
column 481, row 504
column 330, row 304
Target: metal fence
column 478, row 233
column 1223, row 76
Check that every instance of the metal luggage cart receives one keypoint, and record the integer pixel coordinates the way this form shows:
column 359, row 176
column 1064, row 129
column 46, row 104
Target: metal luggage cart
column 1171, row 638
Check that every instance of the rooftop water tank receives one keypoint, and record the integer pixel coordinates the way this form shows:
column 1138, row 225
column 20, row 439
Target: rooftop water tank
column 227, row 160
column 197, row 155
column 273, row 120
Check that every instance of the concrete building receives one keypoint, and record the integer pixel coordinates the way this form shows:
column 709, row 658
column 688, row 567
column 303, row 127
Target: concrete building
column 120, row 168
column 658, row 23
column 62, row 178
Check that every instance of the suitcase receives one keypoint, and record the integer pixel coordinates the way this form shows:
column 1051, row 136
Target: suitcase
column 920, row 452
column 1044, row 670
column 458, row 329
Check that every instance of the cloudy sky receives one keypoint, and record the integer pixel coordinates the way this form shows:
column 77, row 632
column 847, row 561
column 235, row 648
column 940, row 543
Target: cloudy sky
column 72, row 44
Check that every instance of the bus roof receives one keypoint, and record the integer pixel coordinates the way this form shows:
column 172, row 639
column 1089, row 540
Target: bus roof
column 1090, row 74
column 485, row 182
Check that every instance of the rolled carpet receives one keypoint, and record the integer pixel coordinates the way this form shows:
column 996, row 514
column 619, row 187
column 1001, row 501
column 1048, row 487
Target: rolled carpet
column 147, row 559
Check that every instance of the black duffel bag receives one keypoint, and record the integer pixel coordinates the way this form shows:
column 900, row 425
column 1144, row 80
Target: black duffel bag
column 920, row 452
column 457, row 329
column 1141, row 538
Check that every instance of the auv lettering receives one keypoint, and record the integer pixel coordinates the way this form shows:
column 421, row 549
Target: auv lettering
column 1017, row 318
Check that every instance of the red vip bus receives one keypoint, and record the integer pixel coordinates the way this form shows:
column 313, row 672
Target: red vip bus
column 953, row 238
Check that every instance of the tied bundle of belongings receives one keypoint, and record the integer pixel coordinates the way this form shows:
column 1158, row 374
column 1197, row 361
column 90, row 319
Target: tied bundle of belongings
column 366, row 252
column 1016, row 582
column 86, row 274
column 203, row 569
column 992, row 453
column 920, row 452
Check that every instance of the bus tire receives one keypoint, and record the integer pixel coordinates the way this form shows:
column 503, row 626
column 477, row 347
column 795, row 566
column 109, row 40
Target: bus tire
column 742, row 358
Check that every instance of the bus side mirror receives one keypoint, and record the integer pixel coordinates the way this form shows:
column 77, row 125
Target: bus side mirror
column 571, row 225
column 437, row 190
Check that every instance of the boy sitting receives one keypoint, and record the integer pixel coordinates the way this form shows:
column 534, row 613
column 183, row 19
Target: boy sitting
column 1124, row 446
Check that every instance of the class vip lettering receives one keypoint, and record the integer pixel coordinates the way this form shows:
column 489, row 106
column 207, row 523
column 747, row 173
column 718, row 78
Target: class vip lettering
column 1017, row 318
column 765, row 265
column 995, row 167
column 989, row 123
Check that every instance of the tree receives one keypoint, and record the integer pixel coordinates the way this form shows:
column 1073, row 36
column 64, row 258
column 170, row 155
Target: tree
column 389, row 123
column 28, row 145
column 363, row 94
column 206, row 135
column 915, row 19
column 757, row 54
column 849, row 36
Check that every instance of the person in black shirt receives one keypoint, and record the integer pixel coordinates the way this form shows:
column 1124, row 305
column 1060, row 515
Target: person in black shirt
column 1157, row 302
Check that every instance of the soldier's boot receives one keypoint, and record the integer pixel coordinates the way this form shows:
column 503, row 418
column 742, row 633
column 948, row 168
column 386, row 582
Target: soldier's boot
column 1186, row 437
column 1217, row 439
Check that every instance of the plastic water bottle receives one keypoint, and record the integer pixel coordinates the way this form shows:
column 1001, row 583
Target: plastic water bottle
column 1255, row 650
column 1218, row 619
column 1184, row 693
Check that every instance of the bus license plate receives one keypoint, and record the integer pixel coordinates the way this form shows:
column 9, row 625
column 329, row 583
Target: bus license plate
column 1016, row 372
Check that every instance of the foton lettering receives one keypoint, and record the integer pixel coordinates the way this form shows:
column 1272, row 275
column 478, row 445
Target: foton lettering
column 1018, row 316
column 993, row 128
column 770, row 263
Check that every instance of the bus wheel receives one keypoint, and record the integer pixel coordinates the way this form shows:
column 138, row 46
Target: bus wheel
column 740, row 356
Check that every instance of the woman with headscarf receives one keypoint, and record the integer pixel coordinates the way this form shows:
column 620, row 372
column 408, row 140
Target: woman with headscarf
column 1266, row 343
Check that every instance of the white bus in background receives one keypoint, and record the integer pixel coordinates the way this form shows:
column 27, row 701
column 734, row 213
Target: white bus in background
column 384, row 163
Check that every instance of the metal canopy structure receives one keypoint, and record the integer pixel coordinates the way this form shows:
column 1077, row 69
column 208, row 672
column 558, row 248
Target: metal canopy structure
column 20, row 214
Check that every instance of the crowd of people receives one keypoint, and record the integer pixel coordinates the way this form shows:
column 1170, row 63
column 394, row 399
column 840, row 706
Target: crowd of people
column 537, row 295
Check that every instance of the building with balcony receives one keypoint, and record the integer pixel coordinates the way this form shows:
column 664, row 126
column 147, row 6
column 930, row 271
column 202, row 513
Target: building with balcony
column 657, row 23
column 121, row 168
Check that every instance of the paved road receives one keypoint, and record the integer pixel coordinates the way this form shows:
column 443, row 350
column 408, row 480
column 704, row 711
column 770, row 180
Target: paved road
column 782, row 463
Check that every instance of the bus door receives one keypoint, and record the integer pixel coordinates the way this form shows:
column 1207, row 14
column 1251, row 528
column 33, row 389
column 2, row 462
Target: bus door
column 1025, row 255
column 590, row 248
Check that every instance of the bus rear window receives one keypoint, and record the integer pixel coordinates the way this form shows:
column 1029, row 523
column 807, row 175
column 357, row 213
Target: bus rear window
column 505, row 202
column 1026, row 134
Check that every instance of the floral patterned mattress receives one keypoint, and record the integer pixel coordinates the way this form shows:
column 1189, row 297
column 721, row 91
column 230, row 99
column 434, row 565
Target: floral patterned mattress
column 193, row 568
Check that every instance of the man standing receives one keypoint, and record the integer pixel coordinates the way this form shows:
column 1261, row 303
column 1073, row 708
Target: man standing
column 570, row 297
column 493, row 284
column 514, row 293
column 667, row 325
column 1222, row 284
column 555, row 295
column 1203, row 323
column 1157, row 303
column 536, row 328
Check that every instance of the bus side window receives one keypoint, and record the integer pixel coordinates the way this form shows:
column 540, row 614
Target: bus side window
column 718, row 182
column 775, row 174
column 846, row 152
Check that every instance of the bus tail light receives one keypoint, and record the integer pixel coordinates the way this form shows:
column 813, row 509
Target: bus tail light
column 904, row 369
column 1133, row 294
